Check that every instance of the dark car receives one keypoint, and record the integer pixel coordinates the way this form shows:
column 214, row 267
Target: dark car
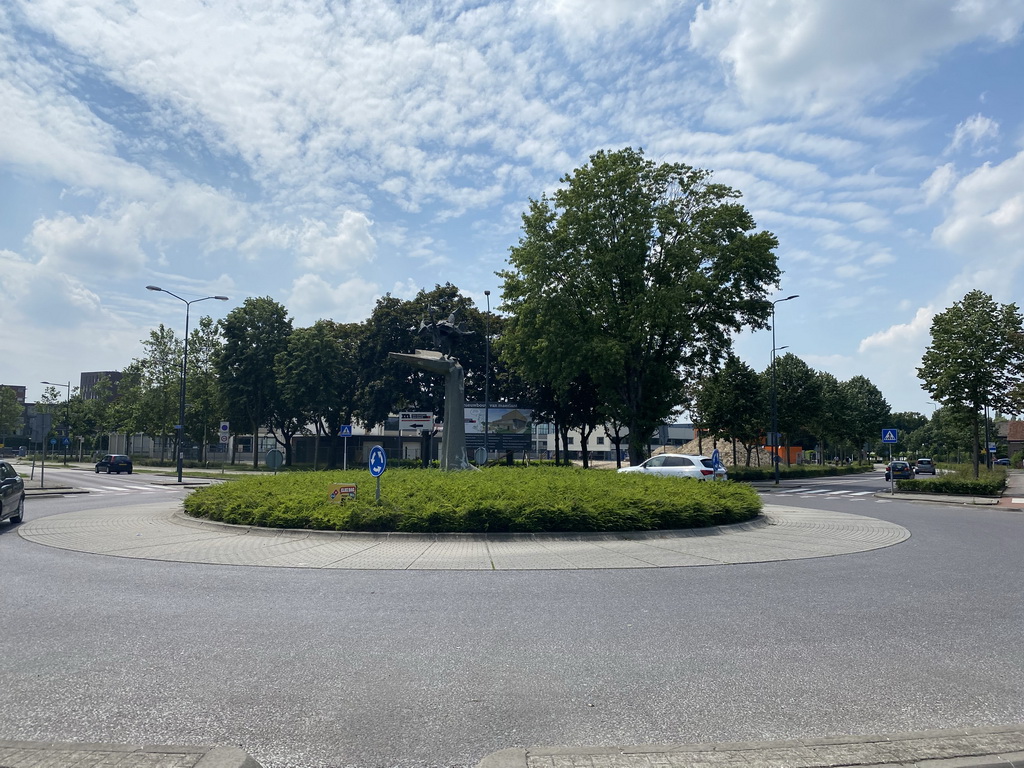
column 115, row 462
column 12, row 494
column 1002, row 462
column 925, row 467
column 899, row 470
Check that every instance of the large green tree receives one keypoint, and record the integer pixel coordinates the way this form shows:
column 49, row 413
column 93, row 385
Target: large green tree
column 254, row 334
column 316, row 376
column 799, row 396
column 205, row 407
column 636, row 274
column 732, row 404
column 387, row 384
column 868, row 412
column 976, row 358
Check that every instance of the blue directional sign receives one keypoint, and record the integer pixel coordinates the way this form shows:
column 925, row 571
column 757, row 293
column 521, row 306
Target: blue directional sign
column 889, row 435
column 345, row 431
column 378, row 461
column 716, row 459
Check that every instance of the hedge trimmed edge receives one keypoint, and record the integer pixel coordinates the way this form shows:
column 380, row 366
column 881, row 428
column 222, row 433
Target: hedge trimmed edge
column 495, row 500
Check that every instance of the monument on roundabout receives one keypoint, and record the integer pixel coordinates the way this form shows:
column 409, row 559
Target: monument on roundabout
column 445, row 333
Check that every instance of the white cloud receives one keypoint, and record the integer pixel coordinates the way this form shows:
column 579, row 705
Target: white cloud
column 976, row 133
column 350, row 244
column 902, row 336
column 793, row 56
column 312, row 298
column 986, row 218
column 939, row 183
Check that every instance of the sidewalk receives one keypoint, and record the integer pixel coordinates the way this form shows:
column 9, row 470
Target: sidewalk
column 30, row 754
column 996, row 747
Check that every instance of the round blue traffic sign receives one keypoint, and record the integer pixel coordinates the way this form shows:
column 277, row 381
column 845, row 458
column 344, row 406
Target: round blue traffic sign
column 378, row 461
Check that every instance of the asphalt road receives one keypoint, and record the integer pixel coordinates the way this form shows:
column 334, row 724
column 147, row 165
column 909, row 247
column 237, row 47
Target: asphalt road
column 369, row 668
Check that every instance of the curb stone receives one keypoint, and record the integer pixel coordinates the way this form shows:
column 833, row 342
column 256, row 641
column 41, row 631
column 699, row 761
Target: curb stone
column 31, row 754
column 989, row 747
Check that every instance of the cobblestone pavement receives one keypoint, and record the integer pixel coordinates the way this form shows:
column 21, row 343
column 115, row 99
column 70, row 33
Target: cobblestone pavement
column 27, row 754
column 161, row 532
column 1001, row 747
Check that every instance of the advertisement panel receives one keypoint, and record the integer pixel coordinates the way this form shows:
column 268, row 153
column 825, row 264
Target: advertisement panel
column 511, row 427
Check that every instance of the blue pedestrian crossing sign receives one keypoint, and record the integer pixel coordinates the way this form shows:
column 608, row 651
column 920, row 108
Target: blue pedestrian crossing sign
column 889, row 435
column 378, row 461
column 345, row 431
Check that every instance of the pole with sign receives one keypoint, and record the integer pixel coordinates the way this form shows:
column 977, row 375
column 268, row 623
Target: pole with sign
column 889, row 437
column 378, row 463
column 345, row 432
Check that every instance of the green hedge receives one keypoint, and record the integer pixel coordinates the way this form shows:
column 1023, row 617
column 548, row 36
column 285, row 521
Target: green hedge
column 961, row 483
column 497, row 499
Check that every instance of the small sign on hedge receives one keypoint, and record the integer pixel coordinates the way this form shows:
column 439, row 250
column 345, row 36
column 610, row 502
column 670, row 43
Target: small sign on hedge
column 342, row 491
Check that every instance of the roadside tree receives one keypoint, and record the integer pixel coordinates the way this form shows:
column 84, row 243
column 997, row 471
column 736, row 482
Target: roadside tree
column 636, row 274
column 976, row 359
column 254, row 334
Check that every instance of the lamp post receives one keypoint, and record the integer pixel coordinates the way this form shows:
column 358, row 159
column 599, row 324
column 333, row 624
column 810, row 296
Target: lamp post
column 67, row 416
column 180, row 428
column 487, row 378
column 775, row 400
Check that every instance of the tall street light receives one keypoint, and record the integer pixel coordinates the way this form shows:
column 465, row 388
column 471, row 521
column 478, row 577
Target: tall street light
column 67, row 416
column 487, row 378
column 775, row 400
column 180, row 428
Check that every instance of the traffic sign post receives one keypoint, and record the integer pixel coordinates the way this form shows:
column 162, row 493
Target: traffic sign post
column 889, row 437
column 345, row 432
column 378, row 463
column 716, row 461
column 274, row 459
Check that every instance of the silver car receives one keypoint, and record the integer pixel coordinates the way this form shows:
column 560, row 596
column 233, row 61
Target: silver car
column 924, row 467
column 680, row 465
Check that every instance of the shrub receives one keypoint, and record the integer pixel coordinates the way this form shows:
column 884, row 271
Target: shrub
column 496, row 500
column 960, row 482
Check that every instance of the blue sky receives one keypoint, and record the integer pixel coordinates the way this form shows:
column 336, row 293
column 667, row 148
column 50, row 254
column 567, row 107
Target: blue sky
column 325, row 154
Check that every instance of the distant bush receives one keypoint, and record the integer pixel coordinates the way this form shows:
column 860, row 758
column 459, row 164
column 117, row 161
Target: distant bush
column 959, row 482
column 498, row 499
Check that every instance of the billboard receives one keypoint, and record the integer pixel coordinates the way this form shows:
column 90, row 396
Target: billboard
column 511, row 427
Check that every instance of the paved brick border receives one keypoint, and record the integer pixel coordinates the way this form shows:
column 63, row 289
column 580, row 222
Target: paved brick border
column 160, row 532
column 990, row 747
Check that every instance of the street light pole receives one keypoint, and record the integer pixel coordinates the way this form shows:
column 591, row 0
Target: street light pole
column 180, row 428
column 487, row 379
column 775, row 401
column 67, row 416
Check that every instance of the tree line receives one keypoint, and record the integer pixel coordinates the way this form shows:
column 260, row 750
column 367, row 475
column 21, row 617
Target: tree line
column 619, row 307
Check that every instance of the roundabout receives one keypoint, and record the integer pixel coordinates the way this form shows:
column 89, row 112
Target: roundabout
column 162, row 532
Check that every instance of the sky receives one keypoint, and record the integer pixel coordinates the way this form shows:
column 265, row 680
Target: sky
column 328, row 153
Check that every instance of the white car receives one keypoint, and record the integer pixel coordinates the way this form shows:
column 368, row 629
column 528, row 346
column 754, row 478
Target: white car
column 680, row 465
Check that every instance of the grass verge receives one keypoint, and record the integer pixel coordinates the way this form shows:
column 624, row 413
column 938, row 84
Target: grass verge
column 496, row 500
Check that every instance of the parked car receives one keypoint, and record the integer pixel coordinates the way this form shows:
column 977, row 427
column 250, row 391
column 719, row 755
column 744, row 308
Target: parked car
column 1002, row 462
column 679, row 465
column 12, row 494
column 899, row 470
column 924, row 467
column 115, row 462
